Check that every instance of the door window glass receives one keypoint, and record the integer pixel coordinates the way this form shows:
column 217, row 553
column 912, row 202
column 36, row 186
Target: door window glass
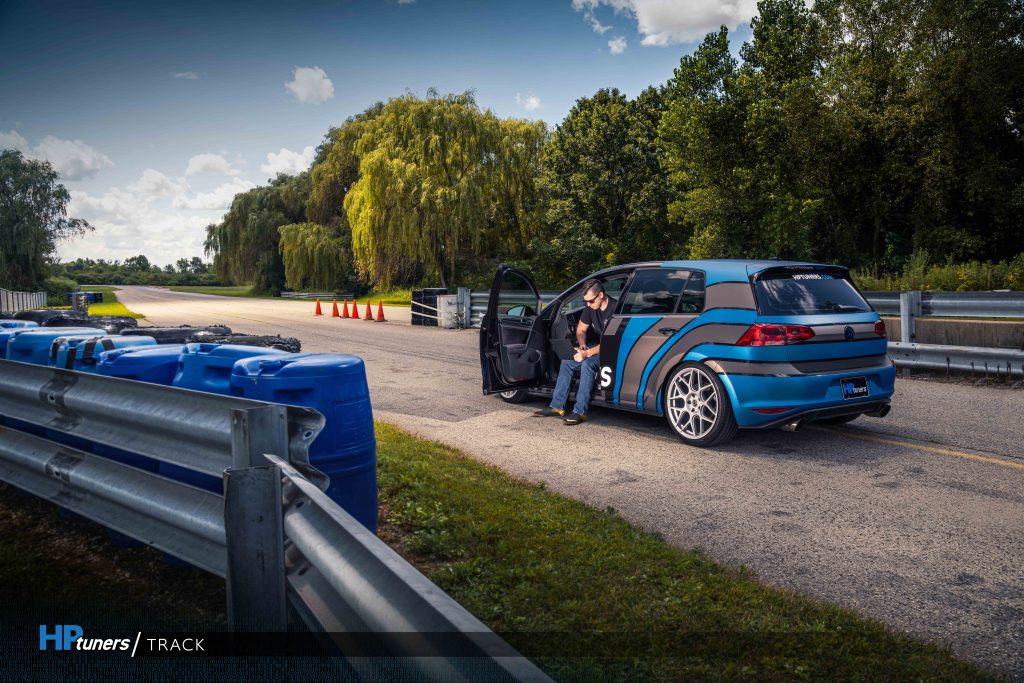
column 516, row 297
column 691, row 300
column 612, row 287
column 654, row 291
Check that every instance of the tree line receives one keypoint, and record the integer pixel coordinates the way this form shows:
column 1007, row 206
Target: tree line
column 881, row 134
column 854, row 131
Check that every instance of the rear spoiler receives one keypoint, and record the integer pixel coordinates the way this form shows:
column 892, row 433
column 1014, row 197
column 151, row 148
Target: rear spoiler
column 839, row 271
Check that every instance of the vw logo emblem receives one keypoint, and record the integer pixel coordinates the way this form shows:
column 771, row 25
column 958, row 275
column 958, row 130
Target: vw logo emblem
column 848, row 333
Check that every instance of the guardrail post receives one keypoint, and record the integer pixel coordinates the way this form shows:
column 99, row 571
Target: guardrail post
column 910, row 309
column 254, row 530
column 465, row 307
column 256, row 431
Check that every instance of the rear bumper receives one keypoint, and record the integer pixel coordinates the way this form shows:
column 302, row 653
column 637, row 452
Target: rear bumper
column 806, row 396
column 872, row 408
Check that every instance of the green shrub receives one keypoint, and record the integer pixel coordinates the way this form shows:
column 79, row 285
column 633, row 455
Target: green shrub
column 920, row 273
column 1015, row 273
column 57, row 289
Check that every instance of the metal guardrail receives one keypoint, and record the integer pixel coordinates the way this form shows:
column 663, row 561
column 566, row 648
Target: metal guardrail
column 999, row 362
column 478, row 304
column 11, row 302
column 273, row 534
column 905, row 353
column 318, row 295
column 952, row 304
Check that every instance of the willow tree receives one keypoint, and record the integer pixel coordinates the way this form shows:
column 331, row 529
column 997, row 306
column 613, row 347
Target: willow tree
column 314, row 258
column 432, row 175
column 335, row 169
column 245, row 244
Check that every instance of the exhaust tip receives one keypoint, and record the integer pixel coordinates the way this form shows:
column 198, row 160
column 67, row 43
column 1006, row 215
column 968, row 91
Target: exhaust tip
column 794, row 426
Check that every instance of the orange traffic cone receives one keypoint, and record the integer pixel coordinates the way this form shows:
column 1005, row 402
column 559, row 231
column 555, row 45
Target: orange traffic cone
column 334, row 313
column 344, row 309
column 369, row 313
column 380, row 312
column 318, row 311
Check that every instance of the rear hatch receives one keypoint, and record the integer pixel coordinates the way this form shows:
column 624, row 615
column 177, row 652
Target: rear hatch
column 823, row 299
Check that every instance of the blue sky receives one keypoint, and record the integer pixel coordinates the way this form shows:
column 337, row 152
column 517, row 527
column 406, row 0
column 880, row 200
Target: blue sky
column 156, row 114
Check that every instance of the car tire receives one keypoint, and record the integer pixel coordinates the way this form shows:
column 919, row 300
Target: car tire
column 697, row 406
column 287, row 344
column 514, row 395
column 174, row 335
column 841, row 420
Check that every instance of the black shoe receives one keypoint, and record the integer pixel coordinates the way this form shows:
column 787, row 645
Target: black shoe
column 549, row 412
column 575, row 419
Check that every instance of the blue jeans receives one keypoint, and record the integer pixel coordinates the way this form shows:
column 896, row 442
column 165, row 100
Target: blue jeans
column 588, row 371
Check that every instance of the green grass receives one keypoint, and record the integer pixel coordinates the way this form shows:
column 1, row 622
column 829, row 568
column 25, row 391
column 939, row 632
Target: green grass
column 51, row 565
column 390, row 297
column 243, row 291
column 110, row 305
column 543, row 569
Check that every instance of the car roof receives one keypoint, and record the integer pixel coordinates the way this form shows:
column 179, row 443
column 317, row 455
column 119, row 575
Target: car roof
column 716, row 270
column 733, row 269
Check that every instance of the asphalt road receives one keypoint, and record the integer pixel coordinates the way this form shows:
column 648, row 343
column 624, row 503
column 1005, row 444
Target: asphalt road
column 916, row 519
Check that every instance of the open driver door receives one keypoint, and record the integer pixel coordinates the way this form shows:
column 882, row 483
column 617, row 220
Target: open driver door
column 513, row 342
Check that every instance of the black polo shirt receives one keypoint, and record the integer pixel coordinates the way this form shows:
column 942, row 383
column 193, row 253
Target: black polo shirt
column 597, row 319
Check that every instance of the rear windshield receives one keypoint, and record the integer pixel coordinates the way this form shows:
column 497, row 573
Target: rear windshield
column 807, row 294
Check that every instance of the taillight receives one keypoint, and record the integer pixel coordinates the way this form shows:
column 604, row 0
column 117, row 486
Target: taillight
column 763, row 334
column 880, row 328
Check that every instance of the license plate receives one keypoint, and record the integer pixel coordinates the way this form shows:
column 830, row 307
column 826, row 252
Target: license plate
column 854, row 387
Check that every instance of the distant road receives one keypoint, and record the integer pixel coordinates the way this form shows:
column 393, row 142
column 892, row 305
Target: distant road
column 916, row 519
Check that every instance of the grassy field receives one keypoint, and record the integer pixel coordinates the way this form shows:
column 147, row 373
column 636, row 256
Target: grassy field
column 110, row 305
column 541, row 568
column 585, row 595
column 391, row 297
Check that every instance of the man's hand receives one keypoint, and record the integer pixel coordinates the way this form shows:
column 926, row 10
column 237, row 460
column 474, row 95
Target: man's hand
column 579, row 356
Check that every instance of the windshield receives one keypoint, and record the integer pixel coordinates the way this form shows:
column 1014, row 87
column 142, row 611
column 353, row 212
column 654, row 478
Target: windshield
column 807, row 294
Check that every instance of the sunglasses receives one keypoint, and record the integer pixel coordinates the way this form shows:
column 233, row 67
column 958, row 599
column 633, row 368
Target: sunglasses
column 590, row 302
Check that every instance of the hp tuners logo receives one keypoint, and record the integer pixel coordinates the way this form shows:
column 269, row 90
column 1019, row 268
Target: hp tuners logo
column 69, row 637
column 62, row 636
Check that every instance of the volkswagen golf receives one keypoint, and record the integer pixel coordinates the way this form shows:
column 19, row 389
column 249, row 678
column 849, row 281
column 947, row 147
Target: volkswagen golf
column 711, row 345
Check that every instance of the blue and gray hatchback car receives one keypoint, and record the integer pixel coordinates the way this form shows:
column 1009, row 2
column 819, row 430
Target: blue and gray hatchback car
column 713, row 346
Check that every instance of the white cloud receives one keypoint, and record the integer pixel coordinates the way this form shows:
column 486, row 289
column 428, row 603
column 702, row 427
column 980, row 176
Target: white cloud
column 219, row 199
column 209, row 163
column 72, row 159
column 617, row 45
column 665, row 22
column 591, row 19
column 155, row 184
column 528, row 102
column 310, row 85
column 12, row 140
column 154, row 215
column 287, row 161
column 186, row 75
column 406, row 2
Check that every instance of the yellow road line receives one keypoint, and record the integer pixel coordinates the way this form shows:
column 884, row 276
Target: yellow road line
column 929, row 449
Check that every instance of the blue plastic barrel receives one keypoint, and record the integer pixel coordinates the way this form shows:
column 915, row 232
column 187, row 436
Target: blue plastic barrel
column 155, row 364
column 335, row 385
column 82, row 353
column 33, row 345
column 207, row 367
column 7, row 334
column 16, row 324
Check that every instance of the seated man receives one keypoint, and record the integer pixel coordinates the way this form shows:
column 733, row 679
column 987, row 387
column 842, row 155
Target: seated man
column 599, row 309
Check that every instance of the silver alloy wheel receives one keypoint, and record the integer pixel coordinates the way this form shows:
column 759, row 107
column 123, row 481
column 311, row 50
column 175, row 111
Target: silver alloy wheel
column 692, row 403
column 509, row 395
